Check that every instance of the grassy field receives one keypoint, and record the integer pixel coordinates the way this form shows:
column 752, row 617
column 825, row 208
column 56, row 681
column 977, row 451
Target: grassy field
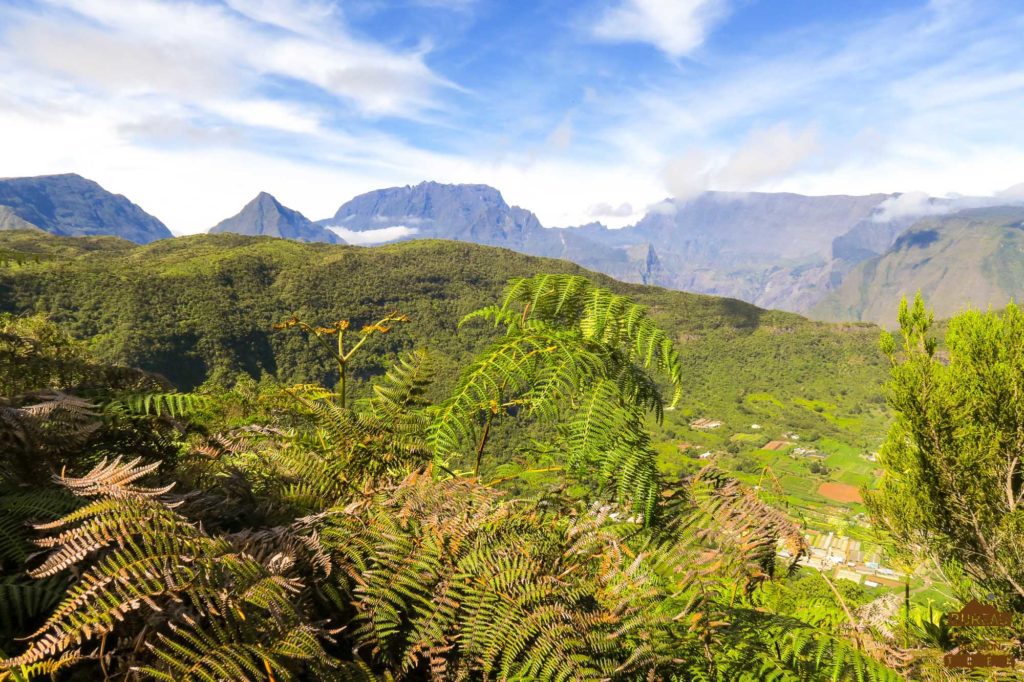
column 835, row 449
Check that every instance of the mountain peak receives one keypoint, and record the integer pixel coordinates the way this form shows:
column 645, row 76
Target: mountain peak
column 265, row 198
column 464, row 212
column 265, row 215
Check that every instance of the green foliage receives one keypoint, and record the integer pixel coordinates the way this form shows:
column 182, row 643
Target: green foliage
column 283, row 534
column 576, row 355
column 202, row 307
column 172, row 404
column 36, row 355
column 953, row 483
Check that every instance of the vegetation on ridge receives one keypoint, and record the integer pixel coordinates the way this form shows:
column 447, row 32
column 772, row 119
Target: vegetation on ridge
column 270, row 532
column 317, row 541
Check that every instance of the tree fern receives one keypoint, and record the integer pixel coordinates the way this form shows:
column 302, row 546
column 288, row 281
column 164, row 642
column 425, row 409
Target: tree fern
column 574, row 354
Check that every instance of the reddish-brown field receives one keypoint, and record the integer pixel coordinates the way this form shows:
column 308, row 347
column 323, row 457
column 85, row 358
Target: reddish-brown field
column 840, row 492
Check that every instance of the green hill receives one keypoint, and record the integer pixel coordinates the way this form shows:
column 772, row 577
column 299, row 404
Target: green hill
column 971, row 259
column 201, row 308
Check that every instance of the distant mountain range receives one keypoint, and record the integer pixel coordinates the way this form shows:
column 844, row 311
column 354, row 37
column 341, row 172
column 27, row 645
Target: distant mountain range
column 835, row 257
column 72, row 206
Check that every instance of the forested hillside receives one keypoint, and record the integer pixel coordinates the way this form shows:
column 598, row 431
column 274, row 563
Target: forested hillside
column 490, row 482
column 972, row 259
column 200, row 308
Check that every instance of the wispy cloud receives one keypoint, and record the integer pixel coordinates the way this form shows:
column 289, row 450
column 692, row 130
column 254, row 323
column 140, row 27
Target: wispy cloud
column 920, row 204
column 891, row 108
column 318, row 100
column 676, row 27
column 195, row 50
column 766, row 154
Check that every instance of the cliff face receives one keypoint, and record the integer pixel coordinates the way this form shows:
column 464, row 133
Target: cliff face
column 763, row 248
column 72, row 206
column 472, row 213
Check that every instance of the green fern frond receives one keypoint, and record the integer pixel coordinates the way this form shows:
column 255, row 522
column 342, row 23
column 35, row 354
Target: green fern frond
column 403, row 387
column 502, row 372
column 600, row 315
column 172, row 404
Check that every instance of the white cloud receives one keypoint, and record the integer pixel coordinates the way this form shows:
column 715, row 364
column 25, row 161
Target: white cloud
column 676, row 27
column 305, row 17
column 604, row 209
column 370, row 237
column 919, row 204
column 909, row 204
column 663, row 208
column 688, row 174
column 197, row 50
column 766, row 155
column 265, row 113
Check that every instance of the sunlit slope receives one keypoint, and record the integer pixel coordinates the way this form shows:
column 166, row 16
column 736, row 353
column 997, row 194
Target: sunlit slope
column 201, row 307
column 971, row 259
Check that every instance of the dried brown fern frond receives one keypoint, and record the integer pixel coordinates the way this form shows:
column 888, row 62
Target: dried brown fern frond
column 742, row 522
column 57, row 423
column 116, row 479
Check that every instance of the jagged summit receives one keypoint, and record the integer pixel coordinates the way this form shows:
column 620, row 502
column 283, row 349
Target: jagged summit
column 476, row 213
column 266, row 216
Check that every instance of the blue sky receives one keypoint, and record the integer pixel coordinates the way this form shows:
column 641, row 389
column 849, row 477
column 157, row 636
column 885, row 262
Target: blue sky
column 579, row 110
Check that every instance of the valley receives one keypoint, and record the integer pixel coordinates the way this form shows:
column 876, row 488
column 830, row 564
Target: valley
column 208, row 303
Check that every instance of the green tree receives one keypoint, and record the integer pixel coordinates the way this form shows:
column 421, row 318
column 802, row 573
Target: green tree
column 953, row 484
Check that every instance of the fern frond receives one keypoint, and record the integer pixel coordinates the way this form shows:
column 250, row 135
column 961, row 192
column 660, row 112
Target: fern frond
column 115, row 479
column 403, row 387
column 61, row 423
column 611, row 438
column 230, row 651
column 600, row 315
column 751, row 528
column 172, row 404
column 502, row 372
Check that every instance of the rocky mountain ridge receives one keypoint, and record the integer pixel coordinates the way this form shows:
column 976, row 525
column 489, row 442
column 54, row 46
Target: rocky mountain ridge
column 972, row 258
column 72, row 206
column 827, row 255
